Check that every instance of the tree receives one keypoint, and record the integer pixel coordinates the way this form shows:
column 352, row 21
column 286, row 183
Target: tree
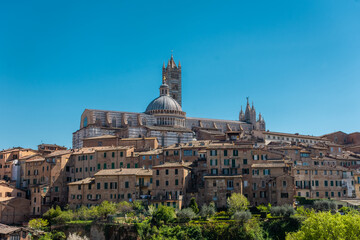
column 164, row 214
column 208, row 211
column 282, row 211
column 52, row 214
column 185, row 215
column 242, row 216
column 38, row 223
column 193, row 205
column 325, row 205
column 325, row 225
column 105, row 209
column 237, row 202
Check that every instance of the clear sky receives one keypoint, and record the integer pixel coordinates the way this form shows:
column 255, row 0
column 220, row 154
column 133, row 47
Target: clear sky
column 299, row 61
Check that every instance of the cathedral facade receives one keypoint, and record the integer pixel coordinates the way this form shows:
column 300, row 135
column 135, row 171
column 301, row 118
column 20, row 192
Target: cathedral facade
column 165, row 119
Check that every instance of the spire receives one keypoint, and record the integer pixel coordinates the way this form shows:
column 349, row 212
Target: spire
column 241, row 115
column 164, row 88
column 164, row 65
column 247, row 111
column 172, row 62
column 252, row 107
column 179, row 64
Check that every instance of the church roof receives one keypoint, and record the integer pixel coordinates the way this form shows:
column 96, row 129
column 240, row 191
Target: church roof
column 164, row 103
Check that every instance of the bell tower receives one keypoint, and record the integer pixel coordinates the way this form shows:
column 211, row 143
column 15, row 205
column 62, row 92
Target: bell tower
column 172, row 74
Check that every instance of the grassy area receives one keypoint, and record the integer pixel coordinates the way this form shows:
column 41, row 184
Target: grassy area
column 80, row 222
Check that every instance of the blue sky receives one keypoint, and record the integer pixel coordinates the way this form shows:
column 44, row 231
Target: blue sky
column 299, row 61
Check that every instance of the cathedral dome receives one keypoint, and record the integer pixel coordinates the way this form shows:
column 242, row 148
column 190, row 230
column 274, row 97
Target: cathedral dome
column 164, row 102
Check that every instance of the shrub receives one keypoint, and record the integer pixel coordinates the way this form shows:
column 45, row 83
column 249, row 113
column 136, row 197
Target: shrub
column 65, row 216
column 282, row 211
column 52, row 214
column 325, row 225
column 207, row 211
column 151, row 210
column 164, row 214
column 193, row 205
column 242, row 216
column 237, row 202
column 185, row 215
column 325, row 205
column 38, row 223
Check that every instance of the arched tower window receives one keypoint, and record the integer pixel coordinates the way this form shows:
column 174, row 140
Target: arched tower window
column 85, row 122
column 113, row 122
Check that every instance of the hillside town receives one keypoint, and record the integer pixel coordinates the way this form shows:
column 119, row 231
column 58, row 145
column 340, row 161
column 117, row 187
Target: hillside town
column 163, row 158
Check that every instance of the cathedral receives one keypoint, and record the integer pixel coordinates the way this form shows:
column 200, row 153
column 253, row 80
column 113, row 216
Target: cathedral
column 165, row 119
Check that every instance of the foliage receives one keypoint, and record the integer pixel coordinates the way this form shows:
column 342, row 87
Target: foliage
column 138, row 206
column 185, row 215
column 65, row 216
column 52, row 214
column 144, row 230
column 151, row 210
column 75, row 236
column 105, row 209
column 277, row 229
column 302, row 211
column 38, row 223
column 124, row 207
column 325, row 225
column 263, row 208
column 282, row 211
column 237, row 202
column 164, row 214
column 207, row 211
column 193, row 205
column 242, row 216
column 304, row 201
column 250, row 230
column 324, row 205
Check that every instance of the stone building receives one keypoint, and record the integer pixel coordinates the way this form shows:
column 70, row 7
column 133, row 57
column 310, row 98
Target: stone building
column 10, row 166
column 165, row 119
column 170, row 181
column 14, row 206
column 115, row 185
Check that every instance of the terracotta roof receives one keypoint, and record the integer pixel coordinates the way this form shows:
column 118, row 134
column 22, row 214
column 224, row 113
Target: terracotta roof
column 124, row 171
column 29, row 156
column 106, row 148
column 151, row 152
column 174, row 164
column 268, row 165
column 58, row 153
column 293, row 135
column 83, row 181
column 5, row 229
column 39, row 159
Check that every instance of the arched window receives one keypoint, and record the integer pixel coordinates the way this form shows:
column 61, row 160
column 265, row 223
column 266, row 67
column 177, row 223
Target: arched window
column 85, row 122
column 113, row 122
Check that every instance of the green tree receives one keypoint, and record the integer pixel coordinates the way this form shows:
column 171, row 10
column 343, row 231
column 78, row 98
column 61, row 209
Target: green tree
column 237, row 202
column 207, row 211
column 325, row 205
column 52, row 214
column 185, row 215
column 193, row 205
column 325, row 225
column 164, row 214
column 38, row 223
column 105, row 209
